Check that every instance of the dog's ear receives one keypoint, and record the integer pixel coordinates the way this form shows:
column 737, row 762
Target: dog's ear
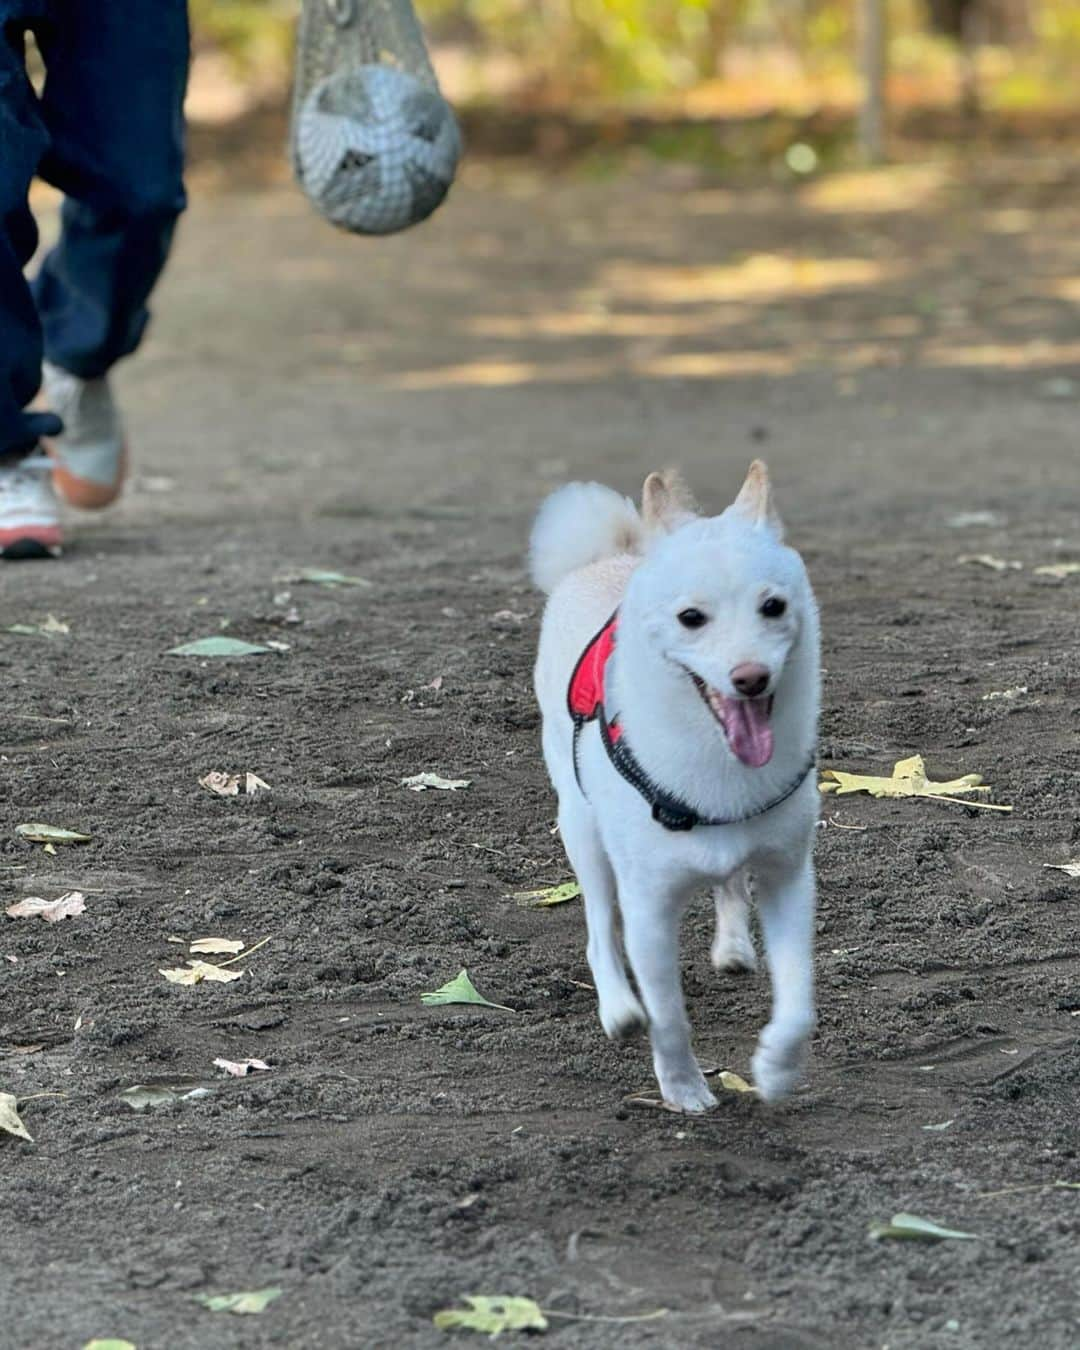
column 755, row 499
column 666, row 501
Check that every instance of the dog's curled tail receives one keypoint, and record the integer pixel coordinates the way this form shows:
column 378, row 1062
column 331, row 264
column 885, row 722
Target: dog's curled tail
column 580, row 524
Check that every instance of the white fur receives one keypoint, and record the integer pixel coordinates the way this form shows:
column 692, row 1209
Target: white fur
column 577, row 525
column 625, row 862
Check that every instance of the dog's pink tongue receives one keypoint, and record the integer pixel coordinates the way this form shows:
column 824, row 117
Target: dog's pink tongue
column 748, row 731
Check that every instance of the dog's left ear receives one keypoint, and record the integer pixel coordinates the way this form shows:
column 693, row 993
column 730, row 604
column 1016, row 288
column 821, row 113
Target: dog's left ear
column 666, row 501
column 755, row 500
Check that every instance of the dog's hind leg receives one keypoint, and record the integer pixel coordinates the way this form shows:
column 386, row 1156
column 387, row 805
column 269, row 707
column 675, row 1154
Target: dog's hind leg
column 651, row 923
column 733, row 947
column 786, row 907
column 621, row 1015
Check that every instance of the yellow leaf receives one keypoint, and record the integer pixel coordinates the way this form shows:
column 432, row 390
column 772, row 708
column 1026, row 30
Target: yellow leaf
column 492, row 1314
column 214, row 946
column 908, row 780
column 734, row 1083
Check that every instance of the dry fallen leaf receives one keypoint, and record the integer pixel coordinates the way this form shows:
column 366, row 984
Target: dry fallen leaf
column 214, row 946
column 1014, row 692
column 228, row 784
column 197, row 971
column 9, row 1117
column 420, row 782
column 734, row 1083
column 1070, row 868
column 908, row 780
column 239, row 1067
column 988, row 560
column 1059, row 570
column 52, row 911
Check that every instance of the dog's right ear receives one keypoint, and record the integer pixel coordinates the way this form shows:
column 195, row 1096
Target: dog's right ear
column 666, row 501
column 755, row 501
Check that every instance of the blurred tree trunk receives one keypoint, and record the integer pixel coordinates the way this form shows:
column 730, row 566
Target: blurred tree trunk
column 873, row 47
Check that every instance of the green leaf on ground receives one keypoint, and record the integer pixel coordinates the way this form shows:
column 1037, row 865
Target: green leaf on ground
column 217, row 646
column 734, row 1083
column 9, row 1117
column 942, row 1125
column 420, row 782
column 314, row 576
column 461, row 990
column 492, row 1315
column 250, row 1301
column 140, row 1096
column 38, row 833
column 911, row 1227
column 52, row 627
column 550, row 895
column 110, row 1344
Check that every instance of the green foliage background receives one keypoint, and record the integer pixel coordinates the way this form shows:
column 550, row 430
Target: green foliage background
column 630, row 48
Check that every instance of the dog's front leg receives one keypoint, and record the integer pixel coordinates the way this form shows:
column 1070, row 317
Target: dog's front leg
column 785, row 894
column 621, row 1014
column 651, row 921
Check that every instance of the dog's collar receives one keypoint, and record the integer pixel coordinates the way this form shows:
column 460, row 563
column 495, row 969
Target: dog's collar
column 585, row 703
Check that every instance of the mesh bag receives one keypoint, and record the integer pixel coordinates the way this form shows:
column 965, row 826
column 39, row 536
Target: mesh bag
column 373, row 143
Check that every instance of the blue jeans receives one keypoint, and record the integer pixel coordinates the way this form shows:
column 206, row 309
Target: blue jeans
column 107, row 131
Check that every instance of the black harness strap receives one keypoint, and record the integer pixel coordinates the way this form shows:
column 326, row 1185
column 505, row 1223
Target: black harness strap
column 671, row 811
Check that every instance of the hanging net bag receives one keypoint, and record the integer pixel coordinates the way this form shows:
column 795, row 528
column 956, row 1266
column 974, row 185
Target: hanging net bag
column 373, row 143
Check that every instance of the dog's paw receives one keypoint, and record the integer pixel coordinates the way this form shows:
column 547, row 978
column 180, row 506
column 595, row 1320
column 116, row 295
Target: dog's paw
column 733, row 953
column 778, row 1066
column 623, row 1017
column 687, row 1092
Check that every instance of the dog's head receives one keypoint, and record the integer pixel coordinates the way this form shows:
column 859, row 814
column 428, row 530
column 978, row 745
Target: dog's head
column 725, row 600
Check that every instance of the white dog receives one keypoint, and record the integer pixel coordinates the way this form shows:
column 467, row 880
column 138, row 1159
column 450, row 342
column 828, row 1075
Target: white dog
column 678, row 677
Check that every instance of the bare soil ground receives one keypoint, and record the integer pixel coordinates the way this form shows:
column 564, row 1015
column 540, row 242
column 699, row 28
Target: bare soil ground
column 902, row 349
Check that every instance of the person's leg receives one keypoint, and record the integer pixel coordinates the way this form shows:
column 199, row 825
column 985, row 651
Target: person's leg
column 116, row 72
column 28, row 520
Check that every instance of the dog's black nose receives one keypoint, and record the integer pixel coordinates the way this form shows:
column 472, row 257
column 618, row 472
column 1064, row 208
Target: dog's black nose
column 750, row 678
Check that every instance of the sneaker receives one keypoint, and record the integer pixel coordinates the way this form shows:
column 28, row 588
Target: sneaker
column 29, row 515
column 89, row 460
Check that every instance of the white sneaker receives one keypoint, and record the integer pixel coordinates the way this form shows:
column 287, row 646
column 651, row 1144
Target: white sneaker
column 90, row 458
column 29, row 515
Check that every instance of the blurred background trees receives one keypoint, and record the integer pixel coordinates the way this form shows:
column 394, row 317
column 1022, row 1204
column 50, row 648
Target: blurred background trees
column 702, row 58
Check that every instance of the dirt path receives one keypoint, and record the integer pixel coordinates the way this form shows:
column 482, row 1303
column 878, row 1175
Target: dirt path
column 901, row 354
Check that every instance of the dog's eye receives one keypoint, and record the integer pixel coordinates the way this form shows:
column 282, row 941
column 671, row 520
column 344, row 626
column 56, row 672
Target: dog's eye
column 773, row 607
column 692, row 618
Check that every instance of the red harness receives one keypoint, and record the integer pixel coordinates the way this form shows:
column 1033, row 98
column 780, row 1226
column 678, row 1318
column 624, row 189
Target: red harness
column 585, row 696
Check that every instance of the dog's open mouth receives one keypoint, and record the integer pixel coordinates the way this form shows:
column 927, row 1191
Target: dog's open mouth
column 745, row 722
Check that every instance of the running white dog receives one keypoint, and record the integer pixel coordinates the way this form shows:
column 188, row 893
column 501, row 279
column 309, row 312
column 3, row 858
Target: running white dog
column 678, row 676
